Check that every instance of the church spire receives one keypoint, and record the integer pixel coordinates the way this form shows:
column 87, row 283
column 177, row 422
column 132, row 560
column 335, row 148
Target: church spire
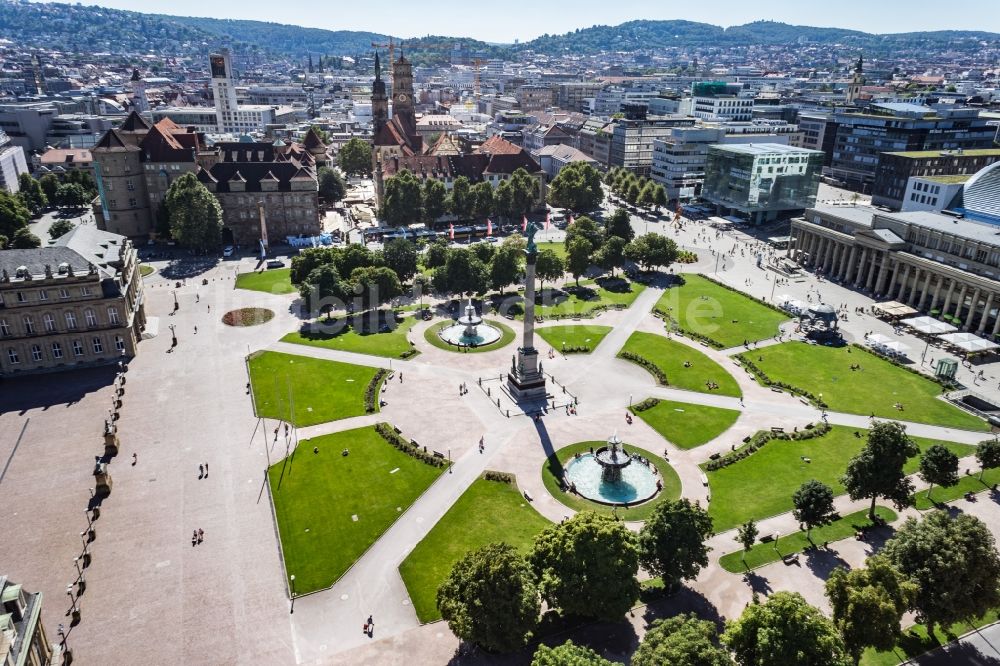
column 860, row 68
column 378, row 67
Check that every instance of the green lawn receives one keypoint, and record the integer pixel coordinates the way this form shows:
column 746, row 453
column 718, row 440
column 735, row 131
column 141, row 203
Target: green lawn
column 589, row 295
column 558, row 247
column 146, row 269
column 393, row 344
column 796, row 542
column 582, row 335
column 326, row 511
column 320, row 390
column 431, row 335
column 274, row 281
column 966, row 484
column 553, row 467
column 487, row 512
column 670, row 357
column 705, row 308
column 687, row 426
column 915, row 640
column 762, row 484
column 876, row 387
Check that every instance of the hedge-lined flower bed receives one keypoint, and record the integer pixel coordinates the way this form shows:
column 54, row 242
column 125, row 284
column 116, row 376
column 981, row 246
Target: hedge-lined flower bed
column 371, row 393
column 767, row 381
column 676, row 327
column 648, row 403
column 759, row 439
column 247, row 317
column 390, row 435
column 648, row 365
column 501, row 477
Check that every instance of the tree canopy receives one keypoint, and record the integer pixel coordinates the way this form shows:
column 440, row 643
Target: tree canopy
column 23, row 239
column 620, row 225
column 195, row 214
column 682, row 640
column 60, row 228
column 877, row 471
column 355, row 158
column 435, row 199
column 549, row 266
column 577, row 187
column 586, row 566
column 568, row 654
column 578, row 253
column 31, row 193
column 375, row 285
column 322, row 289
column 652, row 251
column 490, row 598
column 505, row 266
column 460, row 201
column 402, row 200
column 400, row 255
column 331, row 186
column 938, row 466
column 813, row 503
column 463, row 272
column 672, row 541
column 988, row 455
column 14, row 215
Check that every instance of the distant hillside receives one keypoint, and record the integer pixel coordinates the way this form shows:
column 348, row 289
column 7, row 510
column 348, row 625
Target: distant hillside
column 96, row 29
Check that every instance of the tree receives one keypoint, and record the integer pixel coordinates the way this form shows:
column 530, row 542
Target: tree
column 83, row 179
column 568, row 654
column 60, row 228
column 659, row 196
column 354, row 256
column 877, row 471
column 23, row 239
column 31, row 193
column 523, row 192
column 577, row 187
column 633, row 192
column 620, row 225
column 321, row 287
column 938, row 466
column 868, row 604
column 578, row 257
column 462, row 273
column 435, row 200
column 483, row 251
column 460, row 201
column 988, row 455
column 813, row 503
column 4, row 242
column 402, row 200
column 490, row 598
column 672, row 541
column 549, row 266
column 682, row 640
column 503, row 200
column 323, row 135
column 49, row 184
column 587, row 566
column 652, row 251
column 375, row 285
column 645, row 198
column 611, row 255
column 309, row 259
column 505, row 267
column 400, row 255
column 482, row 199
column 331, row 186
column 584, row 227
column 14, row 215
column 437, row 253
column 70, row 195
column 355, row 158
column 953, row 562
column 784, row 630
column 195, row 214
column 746, row 536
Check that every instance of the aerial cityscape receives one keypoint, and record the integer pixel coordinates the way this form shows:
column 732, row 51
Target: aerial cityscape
column 550, row 340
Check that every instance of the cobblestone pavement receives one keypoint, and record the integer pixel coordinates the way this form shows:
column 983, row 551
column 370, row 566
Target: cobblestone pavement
column 224, row 601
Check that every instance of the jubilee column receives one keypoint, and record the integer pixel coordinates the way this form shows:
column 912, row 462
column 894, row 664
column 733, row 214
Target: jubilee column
column 526, row 379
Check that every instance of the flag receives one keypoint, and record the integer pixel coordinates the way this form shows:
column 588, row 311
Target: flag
column 547, row 222
column 451, row 231
column 489, row 227
column 524, row 223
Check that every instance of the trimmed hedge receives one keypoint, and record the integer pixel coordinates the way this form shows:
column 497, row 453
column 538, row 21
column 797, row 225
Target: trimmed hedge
column 580, row 349
column 686, row 257
column 501, row 477
column 652, row 368
column 390, row 435
column 371, row 393
column 648, row 403
column 767, row 381
column 676, row 327
column 759, row 439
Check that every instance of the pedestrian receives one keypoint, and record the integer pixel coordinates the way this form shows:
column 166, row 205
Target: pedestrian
column 196, row 330
column 201, row 535
column 209, row 308
column 135, row 459
column 206, row 469
column 400, row 377
column 194, row 538
column 197, row 298
column 201, row 471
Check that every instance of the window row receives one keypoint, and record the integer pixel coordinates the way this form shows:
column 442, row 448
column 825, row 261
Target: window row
column 56, row 351
column 49, row 325
column 43, row 294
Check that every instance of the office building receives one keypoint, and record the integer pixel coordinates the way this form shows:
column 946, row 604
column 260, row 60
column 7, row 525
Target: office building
column 78, row 302
column 817, row 131
column 22, row 635
column 632, row 138
column 717, row 100
column 894, row 170
column 761, row 181
column 12, row 164
column 931, row 192
column 232, row 117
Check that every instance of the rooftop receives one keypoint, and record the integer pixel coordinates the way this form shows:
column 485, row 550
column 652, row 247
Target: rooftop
column 947, row 180
column 765, row 149
column 975, row 152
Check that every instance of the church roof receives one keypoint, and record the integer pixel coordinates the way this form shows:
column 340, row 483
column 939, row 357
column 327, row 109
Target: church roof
column 113, row 142
column 312, row 142
column 134, row 123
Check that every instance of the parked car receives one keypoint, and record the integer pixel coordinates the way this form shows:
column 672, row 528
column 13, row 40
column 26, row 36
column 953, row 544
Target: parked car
column 228, row 251
column 275, row 263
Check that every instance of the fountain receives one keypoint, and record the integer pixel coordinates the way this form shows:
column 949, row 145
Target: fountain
column 611, row 475
column 469, row 330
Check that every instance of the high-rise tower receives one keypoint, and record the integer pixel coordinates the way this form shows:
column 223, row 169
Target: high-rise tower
column 223, row 88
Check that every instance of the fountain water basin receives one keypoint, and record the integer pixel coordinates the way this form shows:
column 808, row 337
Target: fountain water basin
column 469, row 330
column 611, row 475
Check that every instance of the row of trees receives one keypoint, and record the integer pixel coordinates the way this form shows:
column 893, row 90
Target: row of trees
column 636, row 190
column 585, row 567
column 587, row 244
column 74, row 190
column 407, row 201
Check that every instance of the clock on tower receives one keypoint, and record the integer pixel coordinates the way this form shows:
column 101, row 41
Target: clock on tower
column 401, row 98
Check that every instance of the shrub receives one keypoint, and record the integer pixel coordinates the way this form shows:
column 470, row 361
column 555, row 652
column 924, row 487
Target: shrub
column 661, row 377
column 648, row 403
column 390, row 435
column 502, row 477
column 676, row 327
column 371, row 393
column 759, row 439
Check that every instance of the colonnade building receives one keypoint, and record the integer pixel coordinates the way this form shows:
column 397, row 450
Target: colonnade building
column 937, row 262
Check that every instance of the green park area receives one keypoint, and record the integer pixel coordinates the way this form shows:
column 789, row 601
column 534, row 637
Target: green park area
column 970, row 483
column 146, row 269
column 343, row 337
column 583, row 300
column 718, row 313
column 306, row 390
column 327, row 514
column 916, row 641
column 668, row 358
column 552, row 472
column 432, row 335
column 762, row 484
column 876, row 386
column 558, row 247
column 687, row 426
column 581, row 338
column 274, row 281
column 487, row 512
column 796, row 542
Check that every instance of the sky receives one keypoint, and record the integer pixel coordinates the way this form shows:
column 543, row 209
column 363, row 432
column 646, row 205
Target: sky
column 499, row 22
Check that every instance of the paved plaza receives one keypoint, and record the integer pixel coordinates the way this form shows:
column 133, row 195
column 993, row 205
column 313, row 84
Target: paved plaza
column 153, row 597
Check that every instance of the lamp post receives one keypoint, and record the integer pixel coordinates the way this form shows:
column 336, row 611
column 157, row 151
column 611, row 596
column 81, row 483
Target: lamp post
column 292, row 581
column 173, row 336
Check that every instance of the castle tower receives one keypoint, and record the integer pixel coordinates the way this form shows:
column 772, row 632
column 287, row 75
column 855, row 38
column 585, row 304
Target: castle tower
column 380, row 101
column 854, row 90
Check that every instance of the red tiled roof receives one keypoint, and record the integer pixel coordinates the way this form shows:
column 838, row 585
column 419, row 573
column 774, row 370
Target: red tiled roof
column 496, row 145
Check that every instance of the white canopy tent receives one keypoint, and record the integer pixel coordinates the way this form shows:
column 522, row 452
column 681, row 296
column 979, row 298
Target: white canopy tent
column 968, row 342
column 879, row 339
column 896, row 348
column 928, row 325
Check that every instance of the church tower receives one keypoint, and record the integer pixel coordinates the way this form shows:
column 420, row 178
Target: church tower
column 854, row 90
column 380, row 102
column 402, row 95
column 139, row 101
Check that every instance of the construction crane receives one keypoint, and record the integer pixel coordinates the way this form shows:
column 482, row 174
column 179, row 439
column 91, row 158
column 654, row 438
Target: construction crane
column 477, row 63
column 392, row 52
